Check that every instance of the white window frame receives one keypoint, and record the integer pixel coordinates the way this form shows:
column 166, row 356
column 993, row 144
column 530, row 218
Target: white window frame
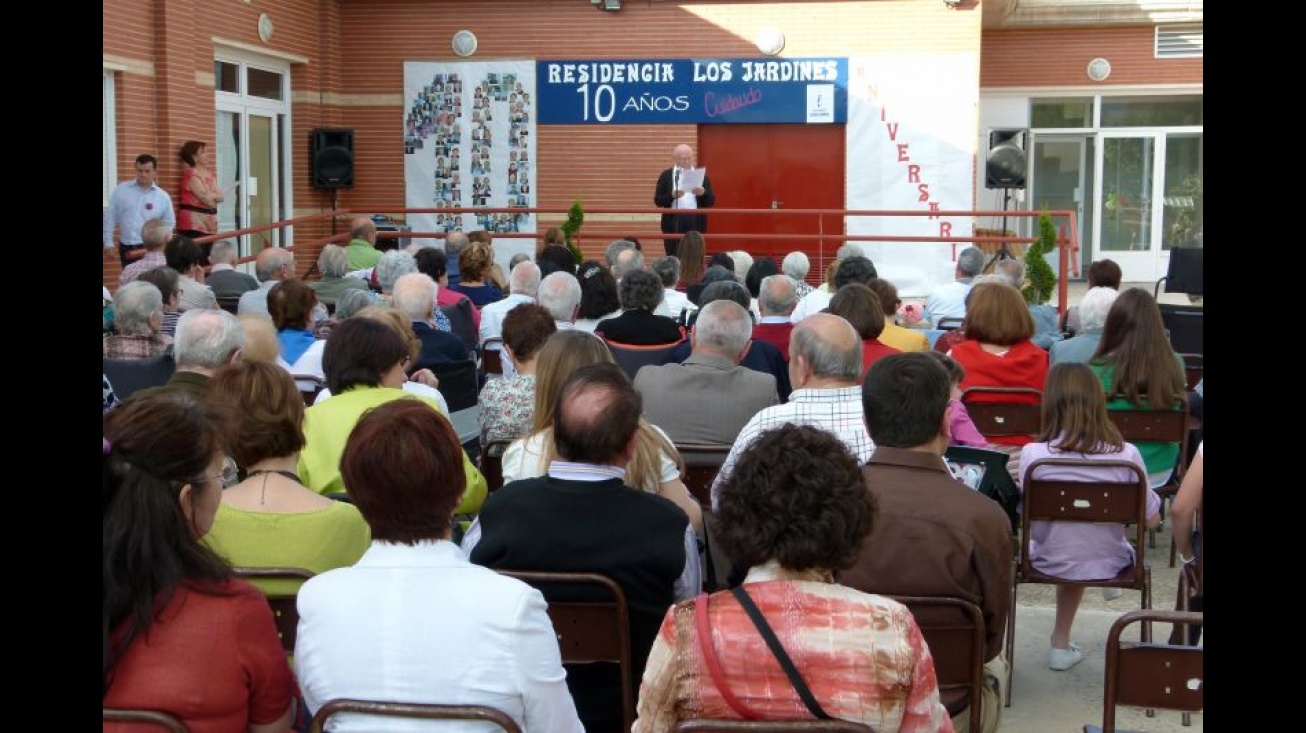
column 109, row 141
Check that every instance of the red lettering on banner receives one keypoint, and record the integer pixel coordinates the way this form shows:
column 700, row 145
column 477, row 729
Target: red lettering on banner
column 913, row 173
column 945, row 230
column 934, row 206
column 882, row 112
column 893, row 130
column 902, row 153
column 924, row 189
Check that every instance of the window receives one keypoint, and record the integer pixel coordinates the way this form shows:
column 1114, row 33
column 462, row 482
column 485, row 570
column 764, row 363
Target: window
column 1058, row 113
column 1151, row 111
column 226, row 77
column 265, row 84
column 109, row 140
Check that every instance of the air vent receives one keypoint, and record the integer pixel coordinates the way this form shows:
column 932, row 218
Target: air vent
column 1179, row 41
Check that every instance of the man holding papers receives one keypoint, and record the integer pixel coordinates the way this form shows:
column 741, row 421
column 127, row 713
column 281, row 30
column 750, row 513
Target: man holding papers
column 683, row 186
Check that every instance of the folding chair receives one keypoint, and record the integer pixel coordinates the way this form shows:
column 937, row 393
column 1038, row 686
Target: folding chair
column 490, row 460
column 588, row 631
column 702, row 462
column 1158, row 426
column 161, row 719
column 310, row 386
column 425, row 711
column 1096, row 502
column 229, row 303
column 459, row 383
column 460, row 321
column 770, row 726
column 631, row 357
column 948, row 324
column 1004, row 411
column 1147, row 675
column 279, row 586
column 954, row 631
column 492, row 358
column 129, row 376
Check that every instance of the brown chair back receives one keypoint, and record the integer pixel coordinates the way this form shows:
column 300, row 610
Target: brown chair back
column 948, row 324
column 231, row 303
column 161, row 719
column 492, row 358
column 954, row 631
column 1147, row 675
column 631, row 357
column 490, row 458
column 1193, row 364
column 590, row 631
column 309, row 387
column 770, row 726
column 1156, row 426
column 282, row 602
column 702, row 463
column 1004, row 411
column 426, row 711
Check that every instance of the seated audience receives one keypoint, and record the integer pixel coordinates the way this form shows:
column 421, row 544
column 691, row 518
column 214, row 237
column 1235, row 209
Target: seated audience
column 796, row 265
column 997, row 351
column 743, row 262
column 1076, row 425
column 556, row 258
column 655, row 467
column 420, row 381
column 155, row 234
column 1102, row 273
column 187, row 258
column 1140, row 371
column 760, row 356
column 168, row 282
column 434, row 263
column 716, row 273
column 674, row 303
column 585, row 516
column 640, row 293
column 507, row 405
column 414, row 295
column 794, row 512
column 207, row 339
column 961, row 429
column 949, row 300
column 333, row 263
column 895, row 335
column 761, row 268
column 474, row 265
column 138, row 318
column 269, row 518
column 177, row 622
column 413, row 620
column 598, row 296
column 1187, row 538
column 560, row 295
column 708, row 397
column 1091, row 313
column 223, row 278
column 261, row 342
column 291, row 304
column 776, row 299
column 1047, row 330
column 691, row 252
column 851, row 269
column 860, row 306
column 364, row 362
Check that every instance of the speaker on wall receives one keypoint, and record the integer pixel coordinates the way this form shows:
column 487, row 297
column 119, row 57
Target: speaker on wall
column 1006, row 163
column 332, row 158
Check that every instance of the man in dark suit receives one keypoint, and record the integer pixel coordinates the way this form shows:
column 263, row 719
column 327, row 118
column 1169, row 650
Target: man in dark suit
column 709, row 397
column 414, row 296
column 668, row 195
column 582, row 517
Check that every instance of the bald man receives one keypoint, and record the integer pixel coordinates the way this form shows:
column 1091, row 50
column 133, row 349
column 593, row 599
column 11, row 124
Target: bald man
column 362, row 245
column 825, row 366
column 670, row 195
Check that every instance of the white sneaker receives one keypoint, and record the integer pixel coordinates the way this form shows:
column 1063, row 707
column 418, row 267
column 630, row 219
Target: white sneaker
column 1063, row 659
column 1110, row 594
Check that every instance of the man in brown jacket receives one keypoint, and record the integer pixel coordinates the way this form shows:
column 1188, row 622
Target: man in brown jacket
column 933, row 536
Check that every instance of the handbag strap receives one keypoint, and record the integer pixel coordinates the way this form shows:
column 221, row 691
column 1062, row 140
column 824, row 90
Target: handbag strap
column 708, row 650
column 781, row 656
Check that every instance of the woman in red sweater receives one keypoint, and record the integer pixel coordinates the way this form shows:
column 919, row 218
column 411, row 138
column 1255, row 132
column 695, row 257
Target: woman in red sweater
column 997, row 351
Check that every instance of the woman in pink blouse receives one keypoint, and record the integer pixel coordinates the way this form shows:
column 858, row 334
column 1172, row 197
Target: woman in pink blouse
column 200, row 194
column 794, row 510
column 1076, row 425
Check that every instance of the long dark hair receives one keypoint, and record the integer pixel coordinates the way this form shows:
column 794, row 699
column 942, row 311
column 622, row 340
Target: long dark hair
column 154, row 444
column 1134, row 341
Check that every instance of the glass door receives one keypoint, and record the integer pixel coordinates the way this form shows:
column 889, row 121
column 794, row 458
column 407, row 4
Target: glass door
column 1128, row 232
column 1062, row 172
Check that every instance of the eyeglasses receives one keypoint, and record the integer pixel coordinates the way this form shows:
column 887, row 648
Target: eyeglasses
column 229, row 476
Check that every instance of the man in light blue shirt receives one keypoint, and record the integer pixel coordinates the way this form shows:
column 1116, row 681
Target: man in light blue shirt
column 133, row 203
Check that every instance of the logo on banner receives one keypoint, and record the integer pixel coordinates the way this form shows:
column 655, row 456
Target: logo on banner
column 820, row 103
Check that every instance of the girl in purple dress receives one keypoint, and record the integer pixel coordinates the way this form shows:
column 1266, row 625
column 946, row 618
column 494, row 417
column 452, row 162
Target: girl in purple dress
column 1076, row 425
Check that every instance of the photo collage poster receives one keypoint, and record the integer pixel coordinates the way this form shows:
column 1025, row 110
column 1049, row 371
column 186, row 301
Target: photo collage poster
column 469, row 140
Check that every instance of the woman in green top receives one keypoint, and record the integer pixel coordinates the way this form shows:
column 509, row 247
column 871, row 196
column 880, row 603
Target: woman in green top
column 1140, row 371
column 270, row 519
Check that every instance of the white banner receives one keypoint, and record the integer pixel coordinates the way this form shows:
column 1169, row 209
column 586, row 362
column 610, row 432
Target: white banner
column 911, row 146
column 469, row 140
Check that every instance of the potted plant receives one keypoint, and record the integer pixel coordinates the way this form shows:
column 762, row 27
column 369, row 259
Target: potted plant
column 575, row 218
column 1042, row 279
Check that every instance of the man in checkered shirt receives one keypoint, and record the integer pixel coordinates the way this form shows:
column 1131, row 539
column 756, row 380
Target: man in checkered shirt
column 825, row 363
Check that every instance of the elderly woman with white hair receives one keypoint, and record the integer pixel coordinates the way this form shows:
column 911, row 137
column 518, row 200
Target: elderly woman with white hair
column 797, row 265
column 1093, row 308
column 138, row 318
column 393, row 265
column 333, row 263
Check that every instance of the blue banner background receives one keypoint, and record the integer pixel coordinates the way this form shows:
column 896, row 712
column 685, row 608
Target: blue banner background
column 691, row 91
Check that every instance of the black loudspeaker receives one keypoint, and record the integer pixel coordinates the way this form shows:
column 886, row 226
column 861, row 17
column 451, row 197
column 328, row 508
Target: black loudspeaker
column 1006, row 162
column 332, row 158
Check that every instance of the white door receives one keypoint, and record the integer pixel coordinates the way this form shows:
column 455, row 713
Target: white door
column 1132, row 179
column 1060, row 179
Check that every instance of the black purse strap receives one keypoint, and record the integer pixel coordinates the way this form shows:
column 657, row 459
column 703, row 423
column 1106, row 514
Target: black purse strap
column 781, row 656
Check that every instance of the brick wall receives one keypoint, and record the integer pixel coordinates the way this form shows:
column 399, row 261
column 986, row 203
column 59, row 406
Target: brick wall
column 1060, row 56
